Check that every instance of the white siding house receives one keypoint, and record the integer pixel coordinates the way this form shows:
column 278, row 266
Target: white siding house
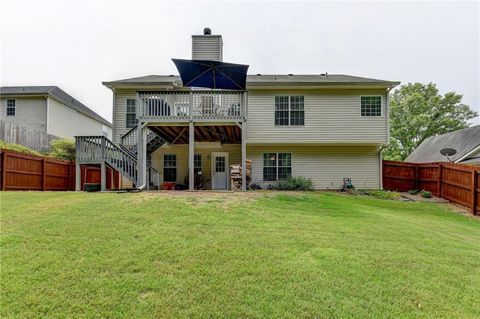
column 325, row 127
column 50, row 110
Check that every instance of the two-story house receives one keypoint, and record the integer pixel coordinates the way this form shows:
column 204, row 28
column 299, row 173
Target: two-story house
column 324, row 126
column 49, row 109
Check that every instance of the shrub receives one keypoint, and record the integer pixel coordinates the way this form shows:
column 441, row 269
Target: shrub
column 414, row 191
column 63, row 149
column 18, row 148
column 426, row 194
column 295, row 184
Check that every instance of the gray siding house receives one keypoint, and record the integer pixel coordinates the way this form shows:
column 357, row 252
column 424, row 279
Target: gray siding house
column 466, row 142
column 324, row 126
column 49, row 109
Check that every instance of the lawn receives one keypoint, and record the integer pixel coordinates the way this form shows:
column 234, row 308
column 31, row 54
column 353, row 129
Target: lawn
column 315, row 255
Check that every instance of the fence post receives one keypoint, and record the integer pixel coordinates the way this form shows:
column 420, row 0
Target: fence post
column 44, row 175
column 474, row 192
column 440, row 177
column 2, row 159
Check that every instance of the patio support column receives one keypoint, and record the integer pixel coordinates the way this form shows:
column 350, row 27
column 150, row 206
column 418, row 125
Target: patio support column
column 142, row 156
column 191, row 150
column 244, row 156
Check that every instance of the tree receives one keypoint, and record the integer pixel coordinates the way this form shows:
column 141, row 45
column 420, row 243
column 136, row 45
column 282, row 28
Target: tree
column 418, row 111
column 62, row 149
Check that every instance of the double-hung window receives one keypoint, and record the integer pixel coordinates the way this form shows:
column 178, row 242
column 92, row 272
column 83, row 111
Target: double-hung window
column 371, row 105
column 289, row 110
column 131, row 113
column 170, row 167
column 11, row 108
column 276, row 166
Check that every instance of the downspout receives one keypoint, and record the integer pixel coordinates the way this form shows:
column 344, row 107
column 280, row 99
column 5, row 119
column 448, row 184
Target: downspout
column 387, row 122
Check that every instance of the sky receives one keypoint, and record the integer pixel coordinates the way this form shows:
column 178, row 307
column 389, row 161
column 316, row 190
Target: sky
column 78, row 44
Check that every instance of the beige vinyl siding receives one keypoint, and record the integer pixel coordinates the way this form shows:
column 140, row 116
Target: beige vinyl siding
column 204, row 149
column 65, row 122
column 325, row 165
column 207, row 48
column 331, row 116
column 119, row 113
column 31, row 112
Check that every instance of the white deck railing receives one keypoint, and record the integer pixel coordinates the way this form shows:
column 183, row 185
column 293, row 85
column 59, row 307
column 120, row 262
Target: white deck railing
column 197, row 105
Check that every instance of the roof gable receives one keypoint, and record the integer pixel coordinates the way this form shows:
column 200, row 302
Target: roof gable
column 463, row 141
column 56, row 93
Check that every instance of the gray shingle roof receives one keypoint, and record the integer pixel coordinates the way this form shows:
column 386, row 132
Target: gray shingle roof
column 54, row 92
column 463, row 141
column 266, row 79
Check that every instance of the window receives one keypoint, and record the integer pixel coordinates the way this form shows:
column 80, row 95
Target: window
column 289, row 110
column 220, row 164
column 131, row 113
column 11, row 108
column 276, row 166
column 197, row 163
column 170, row 168
column 371, row 106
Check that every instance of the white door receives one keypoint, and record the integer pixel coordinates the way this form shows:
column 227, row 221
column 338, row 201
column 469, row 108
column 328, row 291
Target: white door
column 219, row 170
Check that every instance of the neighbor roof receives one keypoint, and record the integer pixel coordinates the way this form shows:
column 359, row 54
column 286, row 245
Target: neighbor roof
column 463, row 141
column 265, row 80
column 56, row 93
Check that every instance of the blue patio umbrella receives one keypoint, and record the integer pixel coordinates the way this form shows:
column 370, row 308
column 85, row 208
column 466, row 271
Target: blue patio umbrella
column 212, row 74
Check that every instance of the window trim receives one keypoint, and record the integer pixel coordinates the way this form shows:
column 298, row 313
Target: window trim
column 175, row 167
column 277, row 166
column 127, row 113
column 289, row 111
column 6, row 107
column 381, row 106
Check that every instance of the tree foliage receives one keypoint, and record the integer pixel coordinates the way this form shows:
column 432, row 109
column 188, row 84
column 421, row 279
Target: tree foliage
column 62, row 149
column 418, row 111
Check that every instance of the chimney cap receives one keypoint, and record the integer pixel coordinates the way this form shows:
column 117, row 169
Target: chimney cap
column 207, row 31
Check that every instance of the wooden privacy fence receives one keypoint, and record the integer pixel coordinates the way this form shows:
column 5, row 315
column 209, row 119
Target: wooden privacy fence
column 458, row 183
column 28, row 172
column 28, row 137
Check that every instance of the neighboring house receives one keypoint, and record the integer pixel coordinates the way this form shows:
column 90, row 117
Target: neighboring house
column 50, row 110
column 466, row 142
column 326, row 127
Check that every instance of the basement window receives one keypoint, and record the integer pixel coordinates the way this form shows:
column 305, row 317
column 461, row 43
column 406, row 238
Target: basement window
column 169, row 167
column 131, row 114
column 371, row 106
column 289, row 110
column 276, row 166
column 11, row 109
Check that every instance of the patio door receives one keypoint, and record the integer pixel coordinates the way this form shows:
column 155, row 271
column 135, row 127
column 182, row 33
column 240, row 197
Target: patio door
column 219, row 170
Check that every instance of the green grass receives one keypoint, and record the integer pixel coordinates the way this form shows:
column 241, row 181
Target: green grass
column 310, row 255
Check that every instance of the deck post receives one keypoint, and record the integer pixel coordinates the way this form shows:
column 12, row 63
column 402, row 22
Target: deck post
column 78, row 177
column 78, row 171
column 142, row 156
column 103, row 169
column 191, row 150
column 103, row 176
column 244, row 156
